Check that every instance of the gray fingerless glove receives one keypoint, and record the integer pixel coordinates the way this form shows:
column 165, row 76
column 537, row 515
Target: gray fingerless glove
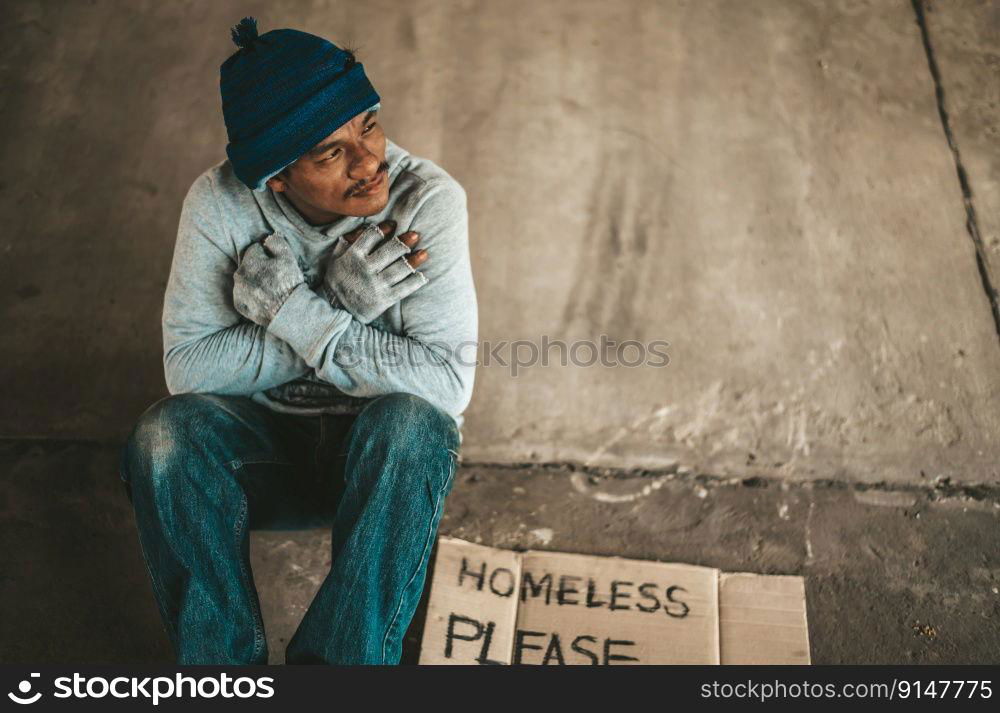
column 267, row 274
column 368, row 278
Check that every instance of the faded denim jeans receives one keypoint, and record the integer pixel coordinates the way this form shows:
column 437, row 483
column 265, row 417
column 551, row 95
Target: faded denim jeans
column 204, row 469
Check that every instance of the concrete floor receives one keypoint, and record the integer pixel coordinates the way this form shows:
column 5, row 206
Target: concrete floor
column 894, row 574
column 801, row 196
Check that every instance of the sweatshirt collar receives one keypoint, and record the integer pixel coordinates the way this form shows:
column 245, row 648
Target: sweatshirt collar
column 284, row 217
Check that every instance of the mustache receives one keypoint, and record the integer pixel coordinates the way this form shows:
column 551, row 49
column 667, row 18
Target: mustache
column 384, row 166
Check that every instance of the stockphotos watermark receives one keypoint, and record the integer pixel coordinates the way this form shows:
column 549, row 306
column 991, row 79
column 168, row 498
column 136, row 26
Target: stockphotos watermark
column 516, row 355
column 152, row 688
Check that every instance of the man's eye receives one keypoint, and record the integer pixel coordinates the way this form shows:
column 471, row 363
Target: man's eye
column 334, row 155
column 370, row 127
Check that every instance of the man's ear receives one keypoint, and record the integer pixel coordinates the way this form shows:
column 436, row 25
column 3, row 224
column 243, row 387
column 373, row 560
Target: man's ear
column 276, row 183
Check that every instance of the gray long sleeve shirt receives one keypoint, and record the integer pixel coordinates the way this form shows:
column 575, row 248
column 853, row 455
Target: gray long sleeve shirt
column 314, row 357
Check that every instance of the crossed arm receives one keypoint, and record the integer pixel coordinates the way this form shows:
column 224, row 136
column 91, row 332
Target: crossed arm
column 209, row 347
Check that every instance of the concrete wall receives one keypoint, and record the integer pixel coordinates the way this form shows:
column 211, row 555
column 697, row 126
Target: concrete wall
column 764, row 185
column 965, row 41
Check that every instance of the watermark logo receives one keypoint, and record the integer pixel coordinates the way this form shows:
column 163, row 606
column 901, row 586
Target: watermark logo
column 153, row 688
column 516, row 356
column 24, row 689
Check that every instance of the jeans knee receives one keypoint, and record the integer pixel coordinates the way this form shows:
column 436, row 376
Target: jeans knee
column 164, row 433
column 418, row 441
column 411, row 418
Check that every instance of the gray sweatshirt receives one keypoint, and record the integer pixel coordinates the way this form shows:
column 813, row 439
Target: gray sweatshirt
column 316, row 358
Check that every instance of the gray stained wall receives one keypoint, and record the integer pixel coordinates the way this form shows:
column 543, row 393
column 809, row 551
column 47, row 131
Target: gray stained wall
column 765, row 185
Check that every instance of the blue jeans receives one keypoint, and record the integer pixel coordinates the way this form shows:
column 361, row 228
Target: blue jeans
column 204, row 469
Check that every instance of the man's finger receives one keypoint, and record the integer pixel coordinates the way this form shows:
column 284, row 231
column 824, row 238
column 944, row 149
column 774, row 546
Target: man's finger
column 418, row 258
column 410, row 238
column 387, row 228
column 277, row 246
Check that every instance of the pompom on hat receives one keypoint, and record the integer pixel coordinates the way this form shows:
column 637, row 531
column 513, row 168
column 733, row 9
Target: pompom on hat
column 282, row 93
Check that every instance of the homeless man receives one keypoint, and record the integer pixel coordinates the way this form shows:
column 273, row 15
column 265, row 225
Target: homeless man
column 316, row 376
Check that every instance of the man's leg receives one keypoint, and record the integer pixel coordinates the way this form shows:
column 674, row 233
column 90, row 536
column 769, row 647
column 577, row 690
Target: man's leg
column 198, row 466
column 401, row 455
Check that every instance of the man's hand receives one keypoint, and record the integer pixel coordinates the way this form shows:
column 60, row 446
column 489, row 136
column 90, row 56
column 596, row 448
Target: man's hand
column 267, row 274
column 388, row 227
column 375, row 271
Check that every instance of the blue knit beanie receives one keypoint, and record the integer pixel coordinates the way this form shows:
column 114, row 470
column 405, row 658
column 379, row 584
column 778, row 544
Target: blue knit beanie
column 282, row 93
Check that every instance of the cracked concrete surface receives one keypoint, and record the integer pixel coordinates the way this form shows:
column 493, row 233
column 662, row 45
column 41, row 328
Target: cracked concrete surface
column 963, row 35
column 987, row 271
column 801, row 196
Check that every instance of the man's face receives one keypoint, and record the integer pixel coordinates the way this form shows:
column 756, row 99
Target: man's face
column 326, row 182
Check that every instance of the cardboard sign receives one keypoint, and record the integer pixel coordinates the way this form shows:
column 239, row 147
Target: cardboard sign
column 762, row 619
column 493, row 606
